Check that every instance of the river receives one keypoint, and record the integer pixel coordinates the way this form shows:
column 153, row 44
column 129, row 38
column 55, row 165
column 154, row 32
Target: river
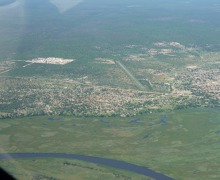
column 97, row 160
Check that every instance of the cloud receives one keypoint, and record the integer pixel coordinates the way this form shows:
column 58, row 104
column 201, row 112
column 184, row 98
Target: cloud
column 64, row 5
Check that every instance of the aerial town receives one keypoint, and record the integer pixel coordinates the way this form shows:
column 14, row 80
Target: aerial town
column 192, row 85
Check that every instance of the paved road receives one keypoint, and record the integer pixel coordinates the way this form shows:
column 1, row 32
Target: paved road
column 97, row 160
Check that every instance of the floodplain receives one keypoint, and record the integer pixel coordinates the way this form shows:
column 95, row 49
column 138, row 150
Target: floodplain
column 173, row 143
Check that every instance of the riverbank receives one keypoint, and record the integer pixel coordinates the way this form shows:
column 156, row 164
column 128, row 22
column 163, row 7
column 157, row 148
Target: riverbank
column 103, row 161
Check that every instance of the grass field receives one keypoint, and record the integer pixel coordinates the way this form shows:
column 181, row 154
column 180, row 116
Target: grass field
column 182, row 144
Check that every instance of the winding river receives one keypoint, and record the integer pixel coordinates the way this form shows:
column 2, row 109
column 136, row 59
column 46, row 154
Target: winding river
column 98, row 160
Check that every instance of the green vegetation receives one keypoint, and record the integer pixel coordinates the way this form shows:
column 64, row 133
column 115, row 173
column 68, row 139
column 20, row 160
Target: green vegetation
column 76, row 33
column 128, row 73
column 64, row 169
column 174, row 143
column 126, row 86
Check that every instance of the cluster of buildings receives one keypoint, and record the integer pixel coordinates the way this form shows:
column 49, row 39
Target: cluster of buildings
column 51, row 60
